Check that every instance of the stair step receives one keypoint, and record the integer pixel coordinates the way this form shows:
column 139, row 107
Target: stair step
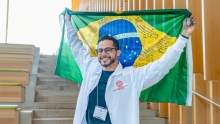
column 143, row 105
column 152, row 120
column 147, row 120
column 45, row 87
column 47, row 61
column 46, row 69
column 57, row 83
column 55, row 105
column 55, row 99
column 56, row 93
column 49, row 77
column 72, row 105
column 48, row 65
column 52, row 59
column 48, row 57
column 52, row 121
column 53, row 113
column 147, row 113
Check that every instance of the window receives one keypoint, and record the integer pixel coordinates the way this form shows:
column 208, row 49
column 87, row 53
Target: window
column 3, row 11
column 33, row 22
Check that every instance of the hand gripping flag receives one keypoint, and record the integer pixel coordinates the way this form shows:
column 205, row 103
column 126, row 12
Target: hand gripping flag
column 144, row 37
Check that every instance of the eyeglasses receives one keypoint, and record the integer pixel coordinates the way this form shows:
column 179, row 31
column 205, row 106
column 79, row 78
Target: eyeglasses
column 107, row 50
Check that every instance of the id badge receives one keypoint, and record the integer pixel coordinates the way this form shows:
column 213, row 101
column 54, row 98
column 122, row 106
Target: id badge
column 100, row 113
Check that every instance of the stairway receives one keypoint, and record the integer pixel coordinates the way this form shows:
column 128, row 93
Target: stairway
column 56, row 98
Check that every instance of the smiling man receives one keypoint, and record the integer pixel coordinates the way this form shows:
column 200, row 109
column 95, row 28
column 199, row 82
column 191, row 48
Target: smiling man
column 110, row 93
column 108, row 52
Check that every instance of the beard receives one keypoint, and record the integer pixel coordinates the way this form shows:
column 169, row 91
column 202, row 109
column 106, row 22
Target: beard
column 111, row 60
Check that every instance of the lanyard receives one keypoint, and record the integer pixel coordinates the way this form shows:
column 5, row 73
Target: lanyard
column 97, row 96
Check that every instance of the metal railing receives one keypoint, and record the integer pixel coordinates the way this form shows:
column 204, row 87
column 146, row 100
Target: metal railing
column 206, row 99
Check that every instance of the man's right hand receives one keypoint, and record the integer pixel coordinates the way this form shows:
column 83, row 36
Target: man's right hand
column 67, row 17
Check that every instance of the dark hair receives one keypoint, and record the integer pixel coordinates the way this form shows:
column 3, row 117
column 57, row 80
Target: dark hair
column 113, row 39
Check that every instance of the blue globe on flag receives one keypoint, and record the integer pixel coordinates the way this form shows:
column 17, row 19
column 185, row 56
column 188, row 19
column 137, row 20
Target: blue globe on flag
column 129, row 42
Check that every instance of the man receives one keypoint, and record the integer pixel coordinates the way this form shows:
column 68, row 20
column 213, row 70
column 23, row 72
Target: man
column 110, row 93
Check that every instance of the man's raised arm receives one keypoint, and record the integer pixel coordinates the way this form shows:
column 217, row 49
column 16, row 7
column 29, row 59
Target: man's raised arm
column 80, row 53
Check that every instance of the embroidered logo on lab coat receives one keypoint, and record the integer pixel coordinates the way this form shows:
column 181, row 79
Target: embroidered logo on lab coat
column 120, row 86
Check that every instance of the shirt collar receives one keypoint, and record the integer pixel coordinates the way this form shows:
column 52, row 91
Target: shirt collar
column 116, row 72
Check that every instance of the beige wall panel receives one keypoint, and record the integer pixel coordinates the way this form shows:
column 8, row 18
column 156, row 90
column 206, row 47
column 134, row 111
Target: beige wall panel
column 202, row 111
column 106, row 5
column 212, row 37
column 109, row 5
column 216, row 114
column 116, row 5
column 136, row 7
column 76, row 4
column 201, row 86
column 83, row 4
column 174, row 114
column 184, row 114
column 159, row 4
column 180, row 4
column 91, row 5
column 201, row 106
column 130, row 6
column 196, row 37
column 120, row 5
column 215, row 91
column 163, row 110
column 125, row 5
column 99, row 5
column 193, row 109
column 143, row 5
column 153, row 105
column 92, row 8
column 150, row 4
column 216, row 98
column 168, row 4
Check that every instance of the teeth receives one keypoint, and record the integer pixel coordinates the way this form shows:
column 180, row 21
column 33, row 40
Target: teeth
column 104, row 58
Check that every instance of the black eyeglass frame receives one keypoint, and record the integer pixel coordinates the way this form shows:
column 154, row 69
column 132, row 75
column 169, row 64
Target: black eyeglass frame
column 107, row 50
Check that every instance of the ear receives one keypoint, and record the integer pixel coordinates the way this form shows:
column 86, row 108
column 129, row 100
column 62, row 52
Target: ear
column 118, row 52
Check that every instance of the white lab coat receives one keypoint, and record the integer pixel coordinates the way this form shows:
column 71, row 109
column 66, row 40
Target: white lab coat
column 122, row 99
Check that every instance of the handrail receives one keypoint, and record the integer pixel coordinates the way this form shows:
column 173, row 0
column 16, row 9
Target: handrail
column 207, row 99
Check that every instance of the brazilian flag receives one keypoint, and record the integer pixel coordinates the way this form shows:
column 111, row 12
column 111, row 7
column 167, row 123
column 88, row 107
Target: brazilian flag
column 144, row 37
